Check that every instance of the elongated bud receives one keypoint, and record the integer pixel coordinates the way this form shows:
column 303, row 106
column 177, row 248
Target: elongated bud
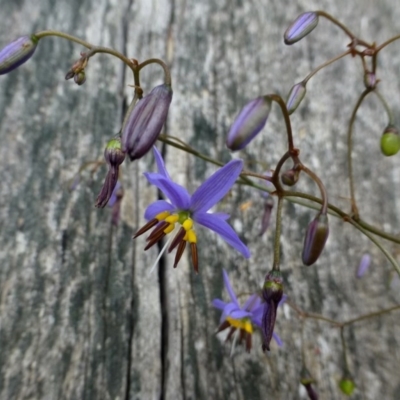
column 248, row 123
column 300, row 27
column 17, row 52
column 114, row 156
column 290, row 177
column 295, row 96
column 272, row 293
column 347, row 385
column 390, row 141
column 316, row 235
column 307, row 380
column 145, row 122
column 80, row 78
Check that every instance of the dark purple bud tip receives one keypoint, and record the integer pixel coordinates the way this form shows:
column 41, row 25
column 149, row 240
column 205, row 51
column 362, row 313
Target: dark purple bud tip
column 290, row 177
column 296, row 95
column 80, row 78
column 146, row 121
column 17, row 52
column 316, row 235
column 347, row 386
column 300, row 27
column 390, row 141
column 248, row 123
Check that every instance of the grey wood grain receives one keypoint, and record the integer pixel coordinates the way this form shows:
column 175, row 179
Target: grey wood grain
column 80, row 315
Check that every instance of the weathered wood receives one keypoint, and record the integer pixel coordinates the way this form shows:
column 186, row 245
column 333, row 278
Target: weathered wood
column 81, row 318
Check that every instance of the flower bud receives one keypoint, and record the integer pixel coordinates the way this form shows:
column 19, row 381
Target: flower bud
column 296, row 95
column 114, row 156
column 370, row 80
column 145, row 122
column 315, row 239
column 347, row 386
column 17, row 52
column 300, row 27
column 272, row 293
column 290, row 177
column 390, row 141
column 248, row 123
column 364, row 265
column 307, row 380
column 80, row 78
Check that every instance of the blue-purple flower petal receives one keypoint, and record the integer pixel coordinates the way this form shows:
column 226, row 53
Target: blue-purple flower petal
column 215, row 187
column 160, row 163
column 229, row 289
column 278, row 340
column 218, row 303
column 177, row 194
column 223, row 229
column 156, row 208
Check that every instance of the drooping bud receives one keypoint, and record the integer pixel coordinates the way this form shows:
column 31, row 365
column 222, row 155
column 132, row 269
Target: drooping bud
column 145, row 122
column 390, row 141
column 17, row 52
column 295, row 96
column 316, row 235
column 307, row 380
column 347, row 385
column 290, row 177
column 248, row 123
column 272, row 293
column 300, row 27
column 80, row 78
column 114, row 156
column 370, row 80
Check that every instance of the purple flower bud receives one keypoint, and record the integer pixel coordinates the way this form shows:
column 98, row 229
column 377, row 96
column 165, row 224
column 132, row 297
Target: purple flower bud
column 17, row 52
column 315, row 239
column 272, row 294
column 307, row 380
column 145, row 122
column 80, row 78
column 290, row 177
column 364, row 265
column 248, row 123
column 300, row 27
column 296, row 95
column 390, row 141
column 114, row 157
column 370, row 80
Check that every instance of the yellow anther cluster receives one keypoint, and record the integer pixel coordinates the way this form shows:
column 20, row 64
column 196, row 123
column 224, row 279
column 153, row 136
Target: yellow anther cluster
column 172, row 219
column 244, row 324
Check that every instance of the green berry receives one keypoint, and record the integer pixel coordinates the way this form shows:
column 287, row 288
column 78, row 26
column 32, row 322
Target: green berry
column 390, row 143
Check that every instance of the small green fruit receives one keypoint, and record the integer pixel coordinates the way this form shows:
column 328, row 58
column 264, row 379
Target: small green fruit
column 390, row 143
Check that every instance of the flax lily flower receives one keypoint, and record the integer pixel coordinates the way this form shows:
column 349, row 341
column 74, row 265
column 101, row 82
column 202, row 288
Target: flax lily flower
column 184, row 211
column 242, row 320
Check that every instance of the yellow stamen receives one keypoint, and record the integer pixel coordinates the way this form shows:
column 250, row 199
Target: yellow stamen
column 190, row 236
column 169, row 228
column 172, row 218
column 162, row 215
column 243, row 323
column 188, row 224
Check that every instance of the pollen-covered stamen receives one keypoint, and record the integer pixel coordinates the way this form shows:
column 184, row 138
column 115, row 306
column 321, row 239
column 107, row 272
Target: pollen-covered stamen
column 179, row 252
column 177, row 239
column 195, row 258
column 157, row 230
column 155, row 240
column 159, row 217
column 248, row 342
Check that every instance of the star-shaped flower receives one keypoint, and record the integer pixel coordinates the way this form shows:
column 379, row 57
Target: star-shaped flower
column 183, row 210
column 244, row 319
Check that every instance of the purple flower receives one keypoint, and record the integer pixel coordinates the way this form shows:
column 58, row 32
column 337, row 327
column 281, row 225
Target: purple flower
column 184, row 210
column 145, row 122
column 245, row 318
column 17, row 52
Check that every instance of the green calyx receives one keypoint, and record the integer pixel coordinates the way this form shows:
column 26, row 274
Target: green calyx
column 183, row 216
column 114, row 144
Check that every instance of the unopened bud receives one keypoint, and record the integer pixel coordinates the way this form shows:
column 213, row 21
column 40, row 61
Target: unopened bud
column 300, row 27
column 145, row 122
column 17, row 52
column 390, row 141
column 370, row 80
column 347, row 386
column 114, row 156
column 316, row 235
column 296, row 95
column 80, row 78
column 290, row 177
column 248, row 123
column 307, row 380
column 272, row 293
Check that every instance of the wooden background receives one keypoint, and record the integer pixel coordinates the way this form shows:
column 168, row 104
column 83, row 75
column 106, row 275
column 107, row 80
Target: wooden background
column 80, row 316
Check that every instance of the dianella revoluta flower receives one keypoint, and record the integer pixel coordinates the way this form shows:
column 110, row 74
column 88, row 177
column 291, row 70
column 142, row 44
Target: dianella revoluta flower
column 314, row 241
column 145, row 122
column 17, row 52
column 300, row 27
column 114, row 157
column 184, row 210
column 272, row 293
column 249, row 123
column 242, row 320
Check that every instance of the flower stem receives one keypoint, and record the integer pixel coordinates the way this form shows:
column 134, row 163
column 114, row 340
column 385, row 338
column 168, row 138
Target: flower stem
column 321, row 186
column 167, row 73
column 277, row 243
